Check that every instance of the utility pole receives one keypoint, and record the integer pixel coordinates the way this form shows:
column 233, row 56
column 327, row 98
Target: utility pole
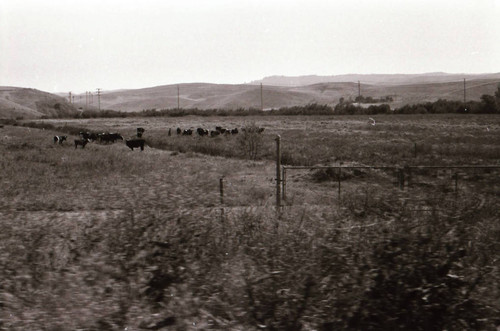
column 261, row 98
column 464, row 93
column 99, row 96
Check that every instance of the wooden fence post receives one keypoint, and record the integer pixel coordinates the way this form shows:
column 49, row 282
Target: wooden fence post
column 278, row 171
column 283, row 184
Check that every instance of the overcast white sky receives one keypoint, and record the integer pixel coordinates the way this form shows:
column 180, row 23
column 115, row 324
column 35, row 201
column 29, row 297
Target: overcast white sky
column 80, row 45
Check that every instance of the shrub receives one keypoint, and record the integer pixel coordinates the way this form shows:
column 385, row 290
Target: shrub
column 250, row 141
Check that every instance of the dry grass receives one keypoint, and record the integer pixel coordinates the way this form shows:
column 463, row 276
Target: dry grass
column 106, row 239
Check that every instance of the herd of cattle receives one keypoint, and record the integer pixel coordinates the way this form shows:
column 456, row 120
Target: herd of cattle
column 139, row 142
column 217, row 132
column 105, row 138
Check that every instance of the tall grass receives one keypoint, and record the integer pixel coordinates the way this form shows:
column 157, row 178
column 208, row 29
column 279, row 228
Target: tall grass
column 109, row 239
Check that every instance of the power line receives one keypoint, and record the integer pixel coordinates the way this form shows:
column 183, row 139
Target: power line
column 261, row 98
column 99, row 96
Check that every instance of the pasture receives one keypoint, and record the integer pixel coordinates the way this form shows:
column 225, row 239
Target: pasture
column 106, row 238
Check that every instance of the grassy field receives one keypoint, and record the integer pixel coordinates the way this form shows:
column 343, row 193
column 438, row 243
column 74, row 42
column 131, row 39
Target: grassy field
column 104, row 238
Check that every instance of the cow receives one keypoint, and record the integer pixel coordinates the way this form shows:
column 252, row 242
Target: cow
column 84, row 135
column 140, row 131
column 234, row 131
column 81, row 142
column 220, row 129
column 135, row 143
column 91, row 136
column 179, row 131
column 109, row 137
column 214, row 133
column 187, row 132
column 202, row 132
column 60, row 139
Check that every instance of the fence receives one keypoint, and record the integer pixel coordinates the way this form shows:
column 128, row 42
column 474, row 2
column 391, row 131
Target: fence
column 405, row 178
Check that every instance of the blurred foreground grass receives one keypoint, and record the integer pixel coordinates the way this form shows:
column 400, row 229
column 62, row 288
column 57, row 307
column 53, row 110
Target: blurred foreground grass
column 108, row 239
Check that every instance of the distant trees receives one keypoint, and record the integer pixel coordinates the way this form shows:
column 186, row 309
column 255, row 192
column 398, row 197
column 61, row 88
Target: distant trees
column 488, row 104
column 362, row 99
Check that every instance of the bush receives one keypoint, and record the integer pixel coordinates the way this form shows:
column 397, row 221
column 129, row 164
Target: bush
column 250, row 141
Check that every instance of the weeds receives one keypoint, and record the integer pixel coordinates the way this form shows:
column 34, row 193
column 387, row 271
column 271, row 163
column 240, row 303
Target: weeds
column 107, row 239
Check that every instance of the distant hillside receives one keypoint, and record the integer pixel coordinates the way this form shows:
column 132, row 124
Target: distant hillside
column 277, row 92
column 18, row 102
column 385, row 79
column 210, row 96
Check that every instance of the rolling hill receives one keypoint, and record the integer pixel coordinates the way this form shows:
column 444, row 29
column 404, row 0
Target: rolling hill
column 17, row 102
column 404, row 89
column 277, row 92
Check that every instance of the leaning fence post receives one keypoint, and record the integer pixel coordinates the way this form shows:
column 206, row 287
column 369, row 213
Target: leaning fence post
column 278, row 171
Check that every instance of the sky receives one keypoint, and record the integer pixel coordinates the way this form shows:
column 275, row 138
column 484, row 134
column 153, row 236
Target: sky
column 78, row 46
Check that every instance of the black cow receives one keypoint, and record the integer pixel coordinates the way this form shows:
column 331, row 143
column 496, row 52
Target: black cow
column 109, row 137
column 81, row 142
column 85, row 135
column 187, row 132
column 234, row 131
column 214, row 133
column 202, row 132
column 59, row 139
column 140, row 131
column 135, row 143
column 221, row 129
column 91, row 136
column 179, row 131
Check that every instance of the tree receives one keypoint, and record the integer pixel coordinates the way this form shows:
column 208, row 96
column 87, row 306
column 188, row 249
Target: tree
column 489, row 104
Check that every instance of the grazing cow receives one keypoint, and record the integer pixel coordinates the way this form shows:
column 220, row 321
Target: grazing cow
column 91, row 136
column 179, row 131
column 214, row 133
column 81, row 142
column 59, row 139
column 135, row 143
column 84, row 135
column 202, row 132
column 140, row 131
column 234, row 131
column 220, row 129
column 109, row 137
column 187, row 132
